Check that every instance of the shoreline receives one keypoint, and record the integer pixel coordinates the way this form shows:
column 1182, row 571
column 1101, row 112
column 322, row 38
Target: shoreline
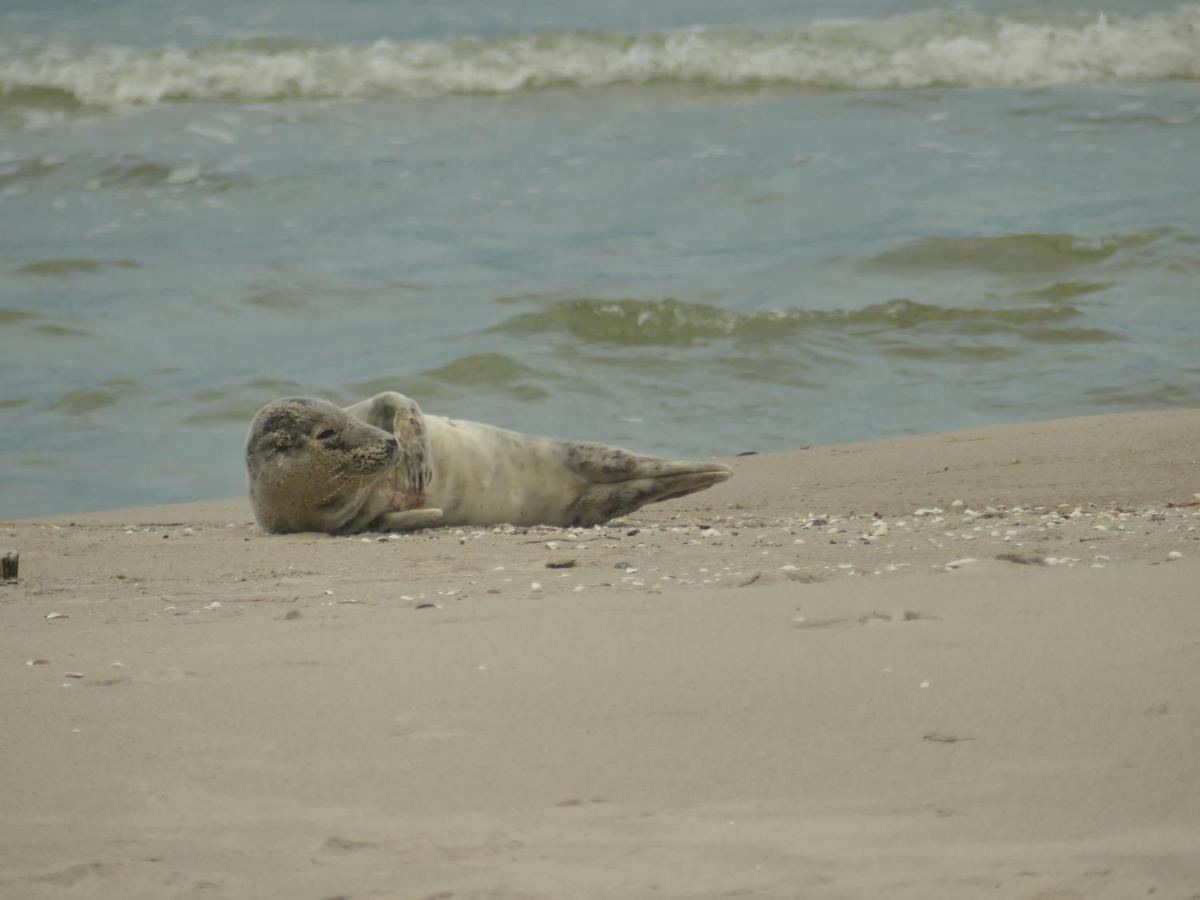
column 967, row 454
column 917, row 667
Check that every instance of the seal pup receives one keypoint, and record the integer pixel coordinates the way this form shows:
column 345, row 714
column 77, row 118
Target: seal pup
column 383, row 465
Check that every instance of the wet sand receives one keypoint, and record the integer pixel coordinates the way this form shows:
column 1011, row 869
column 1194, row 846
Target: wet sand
column 931, row 667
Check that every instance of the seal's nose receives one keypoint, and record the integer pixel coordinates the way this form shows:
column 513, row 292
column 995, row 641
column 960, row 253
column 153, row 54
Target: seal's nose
column 392, row 444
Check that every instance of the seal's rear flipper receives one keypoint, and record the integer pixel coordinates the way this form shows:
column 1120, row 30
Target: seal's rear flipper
column 623, row 482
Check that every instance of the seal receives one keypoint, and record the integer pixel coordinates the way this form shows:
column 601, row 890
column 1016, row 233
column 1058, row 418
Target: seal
column 383, row 465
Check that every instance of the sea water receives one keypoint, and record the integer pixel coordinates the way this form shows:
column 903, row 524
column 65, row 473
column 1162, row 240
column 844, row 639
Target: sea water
column 688, row 227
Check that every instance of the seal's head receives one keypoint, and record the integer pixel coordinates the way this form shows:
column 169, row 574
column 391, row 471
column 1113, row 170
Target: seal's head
column 313, row 467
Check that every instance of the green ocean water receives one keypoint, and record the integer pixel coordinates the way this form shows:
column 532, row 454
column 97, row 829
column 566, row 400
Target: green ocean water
column 688, row 228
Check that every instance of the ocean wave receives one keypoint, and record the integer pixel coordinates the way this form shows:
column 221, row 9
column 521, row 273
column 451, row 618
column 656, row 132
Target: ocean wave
column 493, row 372
column 75, row 266
column 1038, row 254
column 1008, row 253
column 634, row 323
column 935, row 49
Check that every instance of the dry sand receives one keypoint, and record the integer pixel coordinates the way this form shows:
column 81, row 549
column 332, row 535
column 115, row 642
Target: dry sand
column 791, row 685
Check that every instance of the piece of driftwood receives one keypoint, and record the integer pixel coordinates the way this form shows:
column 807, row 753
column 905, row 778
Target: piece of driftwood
column 10, row 561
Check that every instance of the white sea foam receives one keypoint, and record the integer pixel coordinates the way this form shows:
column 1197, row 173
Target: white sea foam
column 958, row 49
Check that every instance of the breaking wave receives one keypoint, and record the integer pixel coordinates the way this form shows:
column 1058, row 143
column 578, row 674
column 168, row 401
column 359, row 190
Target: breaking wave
column 936, row 49
column 632, row 322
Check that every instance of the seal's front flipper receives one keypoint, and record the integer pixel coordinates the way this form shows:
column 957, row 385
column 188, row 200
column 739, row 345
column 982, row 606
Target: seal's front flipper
column 401, row 417
column 623, row 481
column 407, row 520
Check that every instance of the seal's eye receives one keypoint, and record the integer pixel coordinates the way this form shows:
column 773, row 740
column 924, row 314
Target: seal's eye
column 326, row 434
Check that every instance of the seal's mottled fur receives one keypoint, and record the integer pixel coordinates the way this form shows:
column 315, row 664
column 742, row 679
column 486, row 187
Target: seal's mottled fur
column 384, row 465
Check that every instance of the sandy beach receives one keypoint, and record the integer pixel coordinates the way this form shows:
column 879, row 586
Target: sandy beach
column 942, row 666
